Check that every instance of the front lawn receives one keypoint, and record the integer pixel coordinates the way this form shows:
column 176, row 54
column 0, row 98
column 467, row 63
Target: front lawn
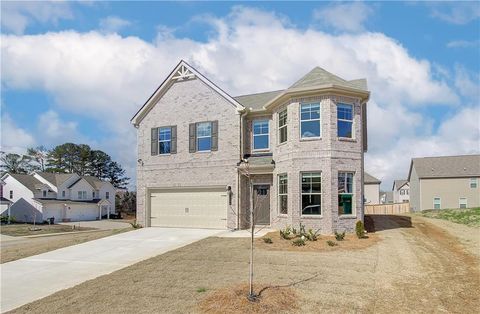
column 18, row 230
column 468, row 216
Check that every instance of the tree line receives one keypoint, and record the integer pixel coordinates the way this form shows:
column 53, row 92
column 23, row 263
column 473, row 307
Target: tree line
column 67, row 158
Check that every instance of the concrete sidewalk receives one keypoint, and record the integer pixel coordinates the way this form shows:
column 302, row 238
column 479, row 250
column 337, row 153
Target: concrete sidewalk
column 35, row 277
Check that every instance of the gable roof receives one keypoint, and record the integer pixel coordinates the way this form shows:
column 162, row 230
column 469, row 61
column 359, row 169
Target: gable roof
column 446, row 167
column 183, row 71
column 56, row 179
column 30, row 182
column 369, row 179
column 94, row 182
column 318, row 76
column 256, row 101
column 399, row 184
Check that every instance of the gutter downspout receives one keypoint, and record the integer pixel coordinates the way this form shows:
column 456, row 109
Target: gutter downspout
column 243, row 113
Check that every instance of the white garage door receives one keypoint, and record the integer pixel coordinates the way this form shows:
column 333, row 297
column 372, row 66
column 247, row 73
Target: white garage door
column 192, row 208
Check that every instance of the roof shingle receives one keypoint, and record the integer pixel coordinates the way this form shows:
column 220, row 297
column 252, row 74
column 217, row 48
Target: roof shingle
column 447, row 166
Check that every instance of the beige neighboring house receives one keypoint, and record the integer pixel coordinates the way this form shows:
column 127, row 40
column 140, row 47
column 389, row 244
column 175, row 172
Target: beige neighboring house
column 64, row 197
column 302, row 146
column 401, row 191
column 372, row 189
column 444, row 182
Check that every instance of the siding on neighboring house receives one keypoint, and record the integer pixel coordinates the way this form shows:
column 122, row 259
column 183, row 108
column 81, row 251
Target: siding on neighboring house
column 415, row 190
column 450, row 190
column 372, row 194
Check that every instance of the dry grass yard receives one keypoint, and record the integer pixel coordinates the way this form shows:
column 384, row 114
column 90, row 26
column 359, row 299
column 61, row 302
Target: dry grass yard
column 18, row 230
column 415, row 266
column 21, row 248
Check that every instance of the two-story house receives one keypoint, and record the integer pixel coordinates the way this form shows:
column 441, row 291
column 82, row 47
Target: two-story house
column 401, row 191
column 64, row 197
column 202, row 153
column 444, row 182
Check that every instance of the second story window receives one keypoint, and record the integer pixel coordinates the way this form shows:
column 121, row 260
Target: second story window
column 93, row 194
column 282, row 126
column 473, row 183
column 204, row 136
column 107, row 195
column 11, row 194
column 82, row 195
column 260, row 135
column 63, row 193
column 345, row 121
column 164, row 140
column 310, row 120
column 44, row 193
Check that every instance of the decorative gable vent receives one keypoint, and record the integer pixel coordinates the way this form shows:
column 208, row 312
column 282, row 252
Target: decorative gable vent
column 183, row 74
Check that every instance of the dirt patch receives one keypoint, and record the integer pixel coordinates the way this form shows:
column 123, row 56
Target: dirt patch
column 17, row 230
column 350, row 242
column 271, row 299
column 17, row 249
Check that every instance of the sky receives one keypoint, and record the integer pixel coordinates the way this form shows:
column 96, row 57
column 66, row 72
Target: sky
column 78, row 71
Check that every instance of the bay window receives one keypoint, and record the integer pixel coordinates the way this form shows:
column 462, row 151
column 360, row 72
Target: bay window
column 282, row 126
column 345, row 120
column 283, row 194
column 310, row 120
column 311, row 193
column 345, row 193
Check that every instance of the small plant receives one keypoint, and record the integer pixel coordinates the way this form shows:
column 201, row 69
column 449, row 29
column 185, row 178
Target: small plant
column 268, row 240
column 299, row 242
column 331, row 243
column 302, row 230
column 312, row 235
column 285, row 234
column 294, row 232
column 135, row 225
column 201, row 289
column 360, row 229
column 339, row 236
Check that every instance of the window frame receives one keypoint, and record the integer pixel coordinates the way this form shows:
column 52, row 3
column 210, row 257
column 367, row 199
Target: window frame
column 63, row 193
column 347, row 120
column 197, row 138
column 82, row 195
column 302, row 193
column 284, row 126
column 352, row 193
column 107, row 195
column 11, row 194
column 309, row 120
column 439, row 202
column 460, row 202
column 163, row 141
column 279, row 195
column 473, row 181
column 44, row 193
column 263, row 134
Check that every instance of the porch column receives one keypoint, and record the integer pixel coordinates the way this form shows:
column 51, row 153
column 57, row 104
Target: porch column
column 108, row 212
column 99, row 212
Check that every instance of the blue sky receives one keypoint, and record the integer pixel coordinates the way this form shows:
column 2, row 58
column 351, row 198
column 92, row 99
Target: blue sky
column 78, row 71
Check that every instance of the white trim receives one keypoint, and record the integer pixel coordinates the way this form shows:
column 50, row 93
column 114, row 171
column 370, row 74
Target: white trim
column 346, row 120
column 319, row 120
column 183, row 71
column 253, row 135
column 301, row 194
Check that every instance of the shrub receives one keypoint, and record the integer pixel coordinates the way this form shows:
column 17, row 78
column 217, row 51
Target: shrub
column 360, row 229
column 331, row 243
column 298, row 242
column 201, row 289
column 302, row 230
column 339, row 236
column 135, row 225
column 267, row 240
column 312, row 235
column 294, row 231
column 285, row 234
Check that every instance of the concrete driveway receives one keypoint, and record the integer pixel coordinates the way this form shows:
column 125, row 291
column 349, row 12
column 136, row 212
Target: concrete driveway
column 35, row 277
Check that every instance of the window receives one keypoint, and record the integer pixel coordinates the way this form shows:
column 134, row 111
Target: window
column 473, row 183
column 107, row 195
column 462, row 202
column 11, row 194
column 283, row 194
column 93, row 194
column 164, row 140
column 402, row 192
column 204, row 136
column 82, row 195
column 311, row 193
column 345, row 120
column 44, row 193
column 437, row 203
column 310, row 120
column 260, row 134
column 345, row 193
column 282, row 126
column 63, row 193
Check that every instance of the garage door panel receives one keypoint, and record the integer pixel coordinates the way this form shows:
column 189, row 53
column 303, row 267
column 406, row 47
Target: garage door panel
column 189, row 208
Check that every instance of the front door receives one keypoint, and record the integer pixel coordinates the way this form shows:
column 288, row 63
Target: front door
column 261, row 204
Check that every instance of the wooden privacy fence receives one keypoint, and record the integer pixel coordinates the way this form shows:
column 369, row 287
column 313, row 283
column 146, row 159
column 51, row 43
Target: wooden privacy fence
column 387, row 209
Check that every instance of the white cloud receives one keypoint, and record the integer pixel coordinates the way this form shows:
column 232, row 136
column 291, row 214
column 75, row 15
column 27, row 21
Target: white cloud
column 53, row 131
column 463, row 43
column 16, row 16
column 458, row 12
column 349, row 17
column 467, row 83
column 113, row 24
column 13, row 138
column 107, row 77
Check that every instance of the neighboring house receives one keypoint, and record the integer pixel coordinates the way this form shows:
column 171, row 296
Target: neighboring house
column 401, row 191
column 303, row 148
column 65, row 197
column 444, row 182
column 372, row 189
column 4, row 202
column 386, row 197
